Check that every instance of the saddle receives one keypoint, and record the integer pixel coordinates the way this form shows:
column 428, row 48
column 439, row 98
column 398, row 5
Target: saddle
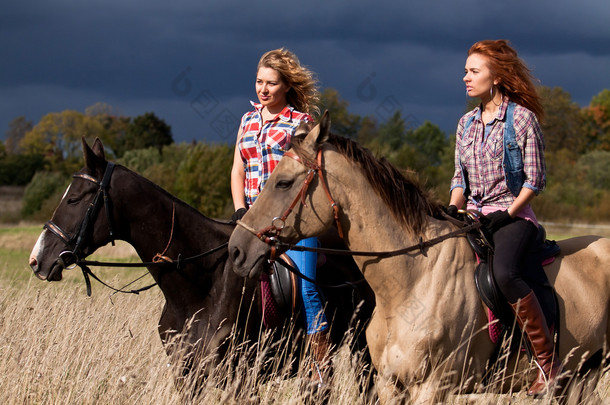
column 543, row 251
column 280, row 292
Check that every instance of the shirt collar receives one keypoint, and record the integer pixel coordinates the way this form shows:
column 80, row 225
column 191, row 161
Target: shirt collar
column 284, row 115
column 501, row 111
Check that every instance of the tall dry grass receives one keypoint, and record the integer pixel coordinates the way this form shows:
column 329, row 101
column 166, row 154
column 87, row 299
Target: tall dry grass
column 61, row 347
column 58, row 346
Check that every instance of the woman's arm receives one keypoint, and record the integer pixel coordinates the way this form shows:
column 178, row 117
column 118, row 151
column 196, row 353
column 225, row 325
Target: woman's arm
column 523, row 199
column 238, row 177
column 457, row 197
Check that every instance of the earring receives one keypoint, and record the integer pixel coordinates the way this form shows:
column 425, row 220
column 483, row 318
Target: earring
column 491, row 93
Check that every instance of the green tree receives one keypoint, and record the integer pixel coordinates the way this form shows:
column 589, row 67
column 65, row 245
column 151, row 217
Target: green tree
column 561, row 124
column 145, row 131
column 108, row 125
column 343, row 122
column 367, row 131
column 428, row 140
column 596, row 125
column 596, row 167
column 203, row 179
column 43, row 186
column 17, row 129
column 159, row 166
column 18, row 170
column 390, row 136
column 57, row 137
column 140, row 160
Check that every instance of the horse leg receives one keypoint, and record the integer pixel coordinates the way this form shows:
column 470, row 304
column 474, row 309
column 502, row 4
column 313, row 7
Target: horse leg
column 389, row 391
column 579, row 387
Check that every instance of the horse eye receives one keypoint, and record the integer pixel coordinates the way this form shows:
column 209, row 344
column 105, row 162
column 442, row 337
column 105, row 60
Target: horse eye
column 284, row 184
column 73, row 201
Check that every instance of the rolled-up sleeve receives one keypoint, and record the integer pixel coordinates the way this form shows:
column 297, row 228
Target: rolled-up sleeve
column 528, row 130
column 457, row 179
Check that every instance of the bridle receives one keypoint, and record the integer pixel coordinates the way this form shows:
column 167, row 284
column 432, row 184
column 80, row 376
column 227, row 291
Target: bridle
column 271, row 233
column 69, row 258
column 73, row 255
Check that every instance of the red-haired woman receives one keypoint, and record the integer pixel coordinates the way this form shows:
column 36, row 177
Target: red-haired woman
column 499, row 169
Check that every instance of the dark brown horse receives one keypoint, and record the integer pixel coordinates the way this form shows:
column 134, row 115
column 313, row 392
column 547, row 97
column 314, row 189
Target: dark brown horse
column 205, row 301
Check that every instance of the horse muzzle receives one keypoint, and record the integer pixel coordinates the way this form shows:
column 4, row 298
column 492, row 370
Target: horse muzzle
column 245, row 263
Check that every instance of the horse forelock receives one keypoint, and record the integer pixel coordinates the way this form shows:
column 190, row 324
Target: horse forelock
column 403, row 195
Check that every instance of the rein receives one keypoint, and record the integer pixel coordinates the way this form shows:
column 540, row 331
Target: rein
column 421, row 246
column 271, row 234
column 165, row 262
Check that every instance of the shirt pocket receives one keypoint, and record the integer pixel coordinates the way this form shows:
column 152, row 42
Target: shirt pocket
column 466, row 148
column 494, row 147
column 277, row 139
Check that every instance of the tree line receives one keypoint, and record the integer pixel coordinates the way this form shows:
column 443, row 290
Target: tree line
column 43, row 157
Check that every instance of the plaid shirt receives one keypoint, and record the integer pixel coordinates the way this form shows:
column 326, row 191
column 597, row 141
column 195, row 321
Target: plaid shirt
column 262, row 145
column 481, row 151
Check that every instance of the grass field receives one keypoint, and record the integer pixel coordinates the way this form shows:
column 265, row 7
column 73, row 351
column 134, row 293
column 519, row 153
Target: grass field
column 59, row 346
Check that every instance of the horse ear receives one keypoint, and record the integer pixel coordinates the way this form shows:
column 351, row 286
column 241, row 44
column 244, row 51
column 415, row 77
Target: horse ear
column 98, row 148
column 320, row 133
column 93, row 155
column 324, row 128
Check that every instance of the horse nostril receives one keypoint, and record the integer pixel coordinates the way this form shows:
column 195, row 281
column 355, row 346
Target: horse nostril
column 33, row 263
column 235, row 254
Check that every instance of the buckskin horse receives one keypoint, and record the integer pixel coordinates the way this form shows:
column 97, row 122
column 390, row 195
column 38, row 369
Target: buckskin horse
column 427, row 334
column 205, row 300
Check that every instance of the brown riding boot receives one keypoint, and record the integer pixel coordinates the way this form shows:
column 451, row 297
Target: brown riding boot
column 320, row 346
column 533, row 323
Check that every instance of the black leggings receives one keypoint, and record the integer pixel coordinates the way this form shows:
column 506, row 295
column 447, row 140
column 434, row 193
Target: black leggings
column 510, row 265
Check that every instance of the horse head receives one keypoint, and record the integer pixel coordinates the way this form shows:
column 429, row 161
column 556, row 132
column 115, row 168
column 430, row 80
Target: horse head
column 295, row 204
column 81, row 223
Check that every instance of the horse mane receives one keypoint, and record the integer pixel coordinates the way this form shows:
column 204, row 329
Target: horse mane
column 166, row 193
column 402, row 192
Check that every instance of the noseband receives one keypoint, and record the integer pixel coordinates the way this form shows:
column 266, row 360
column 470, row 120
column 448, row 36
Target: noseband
column 74, row 243
column 271, row 233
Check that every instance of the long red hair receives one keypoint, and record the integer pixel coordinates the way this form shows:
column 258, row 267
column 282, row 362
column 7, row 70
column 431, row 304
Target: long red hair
column 515, row 78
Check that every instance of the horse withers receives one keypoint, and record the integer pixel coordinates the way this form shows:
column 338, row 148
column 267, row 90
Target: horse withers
column 206, row 302
column 427, row 337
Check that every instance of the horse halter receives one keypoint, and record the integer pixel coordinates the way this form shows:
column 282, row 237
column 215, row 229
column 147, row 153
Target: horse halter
column 69, row 258
column 271, row 233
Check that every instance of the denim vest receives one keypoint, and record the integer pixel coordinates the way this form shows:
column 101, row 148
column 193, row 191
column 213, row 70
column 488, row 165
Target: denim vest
column 512, row 161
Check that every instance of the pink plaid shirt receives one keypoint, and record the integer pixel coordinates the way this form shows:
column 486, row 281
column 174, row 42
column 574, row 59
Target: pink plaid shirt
column 262, row 145
column 480, row 153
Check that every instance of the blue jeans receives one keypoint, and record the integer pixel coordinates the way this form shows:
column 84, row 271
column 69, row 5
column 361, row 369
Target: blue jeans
column 312, row 300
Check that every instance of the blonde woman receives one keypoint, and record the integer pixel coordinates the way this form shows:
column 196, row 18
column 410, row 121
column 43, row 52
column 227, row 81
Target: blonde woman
column 287, row 97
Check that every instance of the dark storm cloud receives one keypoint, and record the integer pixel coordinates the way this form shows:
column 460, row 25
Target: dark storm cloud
column 144, row 56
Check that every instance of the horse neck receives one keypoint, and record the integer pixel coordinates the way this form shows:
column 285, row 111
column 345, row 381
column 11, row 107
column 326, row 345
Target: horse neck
column 371, row 226
column 369, row 222
column 154, row 222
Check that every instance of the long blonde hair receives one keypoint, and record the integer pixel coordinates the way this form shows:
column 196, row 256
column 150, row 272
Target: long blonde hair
column 516, row 80
column 303, row 94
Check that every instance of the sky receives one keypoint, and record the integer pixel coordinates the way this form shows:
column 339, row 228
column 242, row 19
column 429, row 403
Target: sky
column 193, row 63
